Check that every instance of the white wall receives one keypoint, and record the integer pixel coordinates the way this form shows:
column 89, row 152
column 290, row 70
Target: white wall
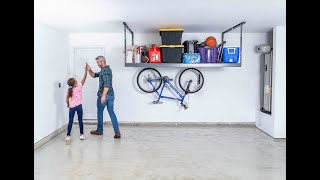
column 275, row 124
column 228, row 95
column 51, row 66
column 280, row 82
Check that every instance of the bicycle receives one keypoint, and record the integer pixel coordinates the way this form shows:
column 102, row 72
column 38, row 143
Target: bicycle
column 149, row 80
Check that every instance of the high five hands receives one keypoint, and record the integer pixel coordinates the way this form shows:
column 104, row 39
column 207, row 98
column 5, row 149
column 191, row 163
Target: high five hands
column 88, row 68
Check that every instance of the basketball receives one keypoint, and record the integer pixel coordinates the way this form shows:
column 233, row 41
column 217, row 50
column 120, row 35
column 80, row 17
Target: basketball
column 211, row 41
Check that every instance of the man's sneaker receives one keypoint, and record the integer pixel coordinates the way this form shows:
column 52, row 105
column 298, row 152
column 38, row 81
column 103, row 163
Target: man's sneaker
column 95, row 132
column 68, row 140
column 117, row 135
column 81, row 137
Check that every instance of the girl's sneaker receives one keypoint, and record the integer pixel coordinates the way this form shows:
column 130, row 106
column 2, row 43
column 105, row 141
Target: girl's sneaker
column 81, row 137
column 68, row 140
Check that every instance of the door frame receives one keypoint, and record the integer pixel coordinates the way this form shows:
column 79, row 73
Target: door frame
column 72, row 72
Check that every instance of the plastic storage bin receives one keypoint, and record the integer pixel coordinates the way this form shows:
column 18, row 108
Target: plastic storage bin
column 208, row 55
column 190, row 46
column 191, row 58
column 171, row 36
column 171, row 53
column 230, row 54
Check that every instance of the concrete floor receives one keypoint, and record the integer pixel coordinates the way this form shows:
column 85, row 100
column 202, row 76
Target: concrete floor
column 222, row 153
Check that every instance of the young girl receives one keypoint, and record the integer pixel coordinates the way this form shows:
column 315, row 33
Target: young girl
column 74, row 103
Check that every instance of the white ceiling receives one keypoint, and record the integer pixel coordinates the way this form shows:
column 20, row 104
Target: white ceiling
column 150, row 15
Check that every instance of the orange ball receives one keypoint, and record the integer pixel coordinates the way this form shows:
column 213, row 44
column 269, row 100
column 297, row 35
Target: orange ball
column 211, row 41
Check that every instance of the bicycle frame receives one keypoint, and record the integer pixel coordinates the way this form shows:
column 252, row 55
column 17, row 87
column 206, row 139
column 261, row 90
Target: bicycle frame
column 166, row 81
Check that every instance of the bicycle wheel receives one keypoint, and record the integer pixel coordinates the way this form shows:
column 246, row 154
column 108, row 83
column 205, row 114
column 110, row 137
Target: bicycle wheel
column 196, row 78
column 149, row 74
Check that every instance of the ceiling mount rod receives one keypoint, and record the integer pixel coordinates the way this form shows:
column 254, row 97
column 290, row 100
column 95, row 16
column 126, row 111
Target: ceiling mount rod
column 132, row 35
column 222, row 39
column 240, row 24
column 125, row 39
column 125, row 24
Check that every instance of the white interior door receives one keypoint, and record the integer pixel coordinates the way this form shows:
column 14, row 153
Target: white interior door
column 90, row 88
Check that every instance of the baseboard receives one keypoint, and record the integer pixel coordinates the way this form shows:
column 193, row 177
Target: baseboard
column 187, row 124
column 181, row 124
column 49, row 137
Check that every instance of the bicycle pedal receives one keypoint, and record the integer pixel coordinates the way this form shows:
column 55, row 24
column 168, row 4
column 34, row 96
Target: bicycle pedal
column 185, row 105
column 157, row 102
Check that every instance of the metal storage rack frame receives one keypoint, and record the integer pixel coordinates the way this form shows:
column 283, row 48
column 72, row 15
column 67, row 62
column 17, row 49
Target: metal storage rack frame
column 126, row 27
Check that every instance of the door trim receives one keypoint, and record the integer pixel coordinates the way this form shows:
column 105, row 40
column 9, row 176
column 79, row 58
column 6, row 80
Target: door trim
column 72, row 62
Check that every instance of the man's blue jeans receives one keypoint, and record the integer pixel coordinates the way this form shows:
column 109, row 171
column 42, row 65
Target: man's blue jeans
column 110, row 106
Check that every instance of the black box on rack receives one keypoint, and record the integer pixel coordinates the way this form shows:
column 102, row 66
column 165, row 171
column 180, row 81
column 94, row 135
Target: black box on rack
column 171, row 53
column 171, row 36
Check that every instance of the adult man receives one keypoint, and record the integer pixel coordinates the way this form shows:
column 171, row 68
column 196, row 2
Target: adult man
column 105, row 96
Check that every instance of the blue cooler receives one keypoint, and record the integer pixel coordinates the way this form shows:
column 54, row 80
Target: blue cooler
column 230, row 54
column 191, row 58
